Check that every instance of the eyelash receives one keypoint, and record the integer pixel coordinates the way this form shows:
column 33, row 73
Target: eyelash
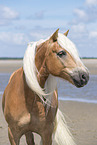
column 61, row 53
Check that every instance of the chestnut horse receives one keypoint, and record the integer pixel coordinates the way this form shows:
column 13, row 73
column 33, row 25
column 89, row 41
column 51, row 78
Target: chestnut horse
column 30, row 100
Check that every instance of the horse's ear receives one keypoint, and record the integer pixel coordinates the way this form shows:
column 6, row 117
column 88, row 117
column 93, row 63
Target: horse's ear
column 55, row 35
column 66, row 33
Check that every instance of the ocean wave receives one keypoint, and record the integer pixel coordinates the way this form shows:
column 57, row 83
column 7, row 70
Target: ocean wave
column 78, row 100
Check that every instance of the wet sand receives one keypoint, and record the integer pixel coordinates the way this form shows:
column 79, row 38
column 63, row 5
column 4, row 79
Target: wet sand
column 82, row 121
column 8, row 66
column 91, row 64
column 81, row 117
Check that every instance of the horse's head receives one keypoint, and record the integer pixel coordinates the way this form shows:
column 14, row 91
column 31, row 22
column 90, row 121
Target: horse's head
column 62, row 60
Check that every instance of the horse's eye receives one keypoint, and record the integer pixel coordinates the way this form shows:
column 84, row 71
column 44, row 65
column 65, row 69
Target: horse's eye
column 61, row 53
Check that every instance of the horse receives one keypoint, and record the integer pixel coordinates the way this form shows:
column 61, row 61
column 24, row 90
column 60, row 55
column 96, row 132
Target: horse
column 30, row 100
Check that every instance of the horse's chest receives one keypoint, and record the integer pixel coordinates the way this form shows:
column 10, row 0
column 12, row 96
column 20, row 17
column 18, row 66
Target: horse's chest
column 36, row 118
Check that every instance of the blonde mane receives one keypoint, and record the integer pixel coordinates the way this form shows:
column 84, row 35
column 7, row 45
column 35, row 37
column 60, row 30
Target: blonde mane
column 30, row 69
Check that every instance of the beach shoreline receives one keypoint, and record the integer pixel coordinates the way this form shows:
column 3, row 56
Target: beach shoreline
column 8, row 66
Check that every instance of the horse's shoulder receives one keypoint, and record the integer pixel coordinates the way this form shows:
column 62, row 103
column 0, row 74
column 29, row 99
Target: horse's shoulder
column 15, row 74
column 14, row 92
column 14, row 83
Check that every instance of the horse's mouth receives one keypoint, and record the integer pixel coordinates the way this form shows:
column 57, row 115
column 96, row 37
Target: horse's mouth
column 78, row 84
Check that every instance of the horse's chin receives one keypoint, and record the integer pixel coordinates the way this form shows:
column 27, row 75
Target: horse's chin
column 78, row 84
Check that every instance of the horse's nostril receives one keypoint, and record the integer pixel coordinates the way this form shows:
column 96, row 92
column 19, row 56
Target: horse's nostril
column 83, row 77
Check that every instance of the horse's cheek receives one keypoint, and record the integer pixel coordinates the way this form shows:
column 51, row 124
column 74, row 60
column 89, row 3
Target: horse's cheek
column 54, row 67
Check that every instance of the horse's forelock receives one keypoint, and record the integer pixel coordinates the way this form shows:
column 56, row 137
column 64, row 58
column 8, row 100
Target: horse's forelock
column 69, row 46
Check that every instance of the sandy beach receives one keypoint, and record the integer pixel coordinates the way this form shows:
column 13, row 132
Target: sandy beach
column 91, row 64
column 8, row 66
column 81, row 117
column 12, row 65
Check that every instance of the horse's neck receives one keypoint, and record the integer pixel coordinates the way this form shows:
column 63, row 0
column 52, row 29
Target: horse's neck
column 40, row 64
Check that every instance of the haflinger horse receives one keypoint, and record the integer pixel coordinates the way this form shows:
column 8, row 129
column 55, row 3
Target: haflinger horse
column 30, row 100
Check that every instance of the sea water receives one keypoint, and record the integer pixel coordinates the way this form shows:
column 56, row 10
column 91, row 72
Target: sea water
column 66, row 91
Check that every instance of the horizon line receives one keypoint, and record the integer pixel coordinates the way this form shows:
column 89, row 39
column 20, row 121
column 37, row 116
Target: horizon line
column 20, row 58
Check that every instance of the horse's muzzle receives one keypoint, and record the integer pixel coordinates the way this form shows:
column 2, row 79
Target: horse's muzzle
column 80, row 79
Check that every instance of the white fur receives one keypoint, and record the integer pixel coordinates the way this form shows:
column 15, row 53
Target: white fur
column 50, row 86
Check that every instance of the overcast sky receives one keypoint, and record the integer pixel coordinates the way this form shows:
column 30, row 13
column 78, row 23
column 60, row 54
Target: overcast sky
column 22, row 21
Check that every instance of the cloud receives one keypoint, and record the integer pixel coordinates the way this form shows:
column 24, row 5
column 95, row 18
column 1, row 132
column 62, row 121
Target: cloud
column 40, row 33
column 7, row 15
column 93, row 34
column 36, row 36
column 85, row 39
column 13, row 38
column 78, row 28
column 91, row 2
column 13, row 44
column 81, row 15
column 37, row 16
column 85, row 15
